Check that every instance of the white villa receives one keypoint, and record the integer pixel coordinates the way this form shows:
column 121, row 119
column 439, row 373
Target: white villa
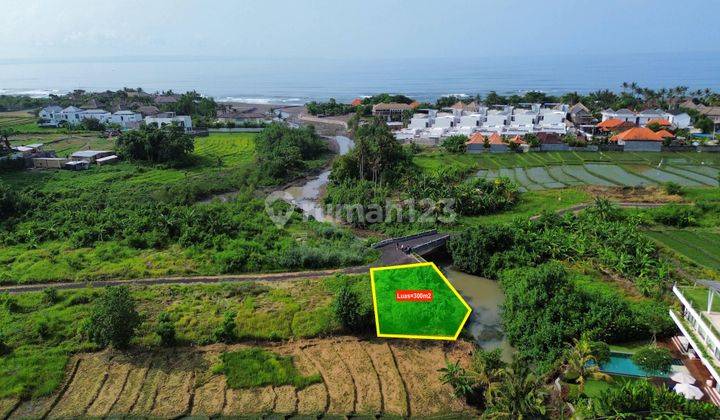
column 166, row 118
column 431, row 125
column 54, row 116
column 642, row 118
column 699, row 323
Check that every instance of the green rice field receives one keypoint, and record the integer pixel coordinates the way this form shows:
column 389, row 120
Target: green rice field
column 698, row 245
column 539, row 171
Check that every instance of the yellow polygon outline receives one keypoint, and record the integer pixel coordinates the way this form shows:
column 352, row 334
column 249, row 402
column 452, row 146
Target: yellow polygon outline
column 373, row 270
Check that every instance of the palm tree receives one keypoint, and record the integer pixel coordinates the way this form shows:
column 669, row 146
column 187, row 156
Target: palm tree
column 519, row 394
column 581, row 361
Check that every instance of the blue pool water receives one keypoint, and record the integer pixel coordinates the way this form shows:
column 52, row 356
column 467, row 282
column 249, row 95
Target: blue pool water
column 622, row 364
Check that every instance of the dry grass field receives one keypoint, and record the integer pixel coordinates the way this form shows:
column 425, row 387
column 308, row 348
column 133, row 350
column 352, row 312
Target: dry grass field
column 360, row 377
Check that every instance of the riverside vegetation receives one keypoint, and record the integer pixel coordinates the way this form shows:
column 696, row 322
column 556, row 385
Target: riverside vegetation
column 151, row 215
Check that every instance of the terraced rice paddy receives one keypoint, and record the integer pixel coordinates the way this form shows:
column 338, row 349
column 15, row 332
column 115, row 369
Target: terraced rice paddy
column 14, row 120
column 700, row 246
column 558, row 170
column 232, row 149
column 359, row 378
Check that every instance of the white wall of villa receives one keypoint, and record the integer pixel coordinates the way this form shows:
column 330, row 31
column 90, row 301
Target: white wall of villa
column 505, row 120
column 700, row 328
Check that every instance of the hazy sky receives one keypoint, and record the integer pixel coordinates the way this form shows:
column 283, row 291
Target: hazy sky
column 365, row 29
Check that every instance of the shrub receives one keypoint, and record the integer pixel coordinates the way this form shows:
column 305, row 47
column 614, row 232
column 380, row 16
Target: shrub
column 149, row 143
column 676, row 215
column 455, row 144
column 165, row 329
column 42, row 329
column 5, row 349
column 653, row 359
column 225, row 332
column 50, row 295
column 113, row 319
column 350, row 311
column 673, row 188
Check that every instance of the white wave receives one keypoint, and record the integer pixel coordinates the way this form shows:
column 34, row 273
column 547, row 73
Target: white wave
column 457, row 95
column 262, row 101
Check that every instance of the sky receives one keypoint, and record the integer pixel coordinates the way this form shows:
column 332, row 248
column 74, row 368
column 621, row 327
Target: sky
column 353, row 30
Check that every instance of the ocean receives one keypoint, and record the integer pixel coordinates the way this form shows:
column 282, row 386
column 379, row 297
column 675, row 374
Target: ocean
column 296, row 81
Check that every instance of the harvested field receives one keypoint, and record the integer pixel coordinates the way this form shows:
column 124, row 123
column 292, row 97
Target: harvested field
column 419, row 367
column 361, row 377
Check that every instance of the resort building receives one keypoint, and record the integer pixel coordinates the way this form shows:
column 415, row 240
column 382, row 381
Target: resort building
column 391, row 111
column 169, row 118
column 476, row 143
column 580, row 115
column 47, row 113
column 643, row 118
column 126, row 119
column 497, row 145
column 639, row 139
column 699, row 323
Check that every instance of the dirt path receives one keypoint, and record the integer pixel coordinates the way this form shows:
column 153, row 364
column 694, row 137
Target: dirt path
column 360, row 377
column 389, row 255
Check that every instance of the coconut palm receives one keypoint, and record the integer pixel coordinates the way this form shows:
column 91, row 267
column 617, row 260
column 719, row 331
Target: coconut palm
column 581, row 362
column 519, row 394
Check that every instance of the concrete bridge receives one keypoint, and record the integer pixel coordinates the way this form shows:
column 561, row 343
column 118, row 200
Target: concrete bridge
column 400, row 250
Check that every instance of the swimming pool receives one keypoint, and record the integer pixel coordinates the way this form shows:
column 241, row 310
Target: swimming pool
column 622, row 364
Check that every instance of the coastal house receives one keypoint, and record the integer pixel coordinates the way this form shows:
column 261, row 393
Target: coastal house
column 148, row 110
column 614, row 124
column 665, row 134
column 166, row 99
column 580, row 115
column 169, row 118
column 497, row 145
column 698, row 321
column 390, row 111
column 496, row 120
column 551, row 120
column 551, row 142
column 420, row 121
column 623, row 114
column 90, row 155
column 70, row 115
column 680, row 119
column 356, row 102
column 243, row 115
column 47, row 113
column 639, row 139
column 126, row 119
column 97, row 114
column 476, row 144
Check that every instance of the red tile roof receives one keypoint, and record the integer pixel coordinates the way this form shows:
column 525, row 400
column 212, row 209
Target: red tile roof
column 476, row 138
column 518, row 140
column 495, row 138
column 356, row 102
column 611, row 124
column 660, row 121
column 637, row 134
column 665, row 134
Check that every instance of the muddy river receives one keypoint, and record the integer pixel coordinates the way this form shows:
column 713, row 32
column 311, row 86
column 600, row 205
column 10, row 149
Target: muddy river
column 306, row 197
column 483, row 295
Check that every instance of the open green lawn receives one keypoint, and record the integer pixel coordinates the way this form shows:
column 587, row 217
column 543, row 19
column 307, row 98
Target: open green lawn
column 232, row 149
column 43, row 334
column 533, row 203
column 256, row 367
